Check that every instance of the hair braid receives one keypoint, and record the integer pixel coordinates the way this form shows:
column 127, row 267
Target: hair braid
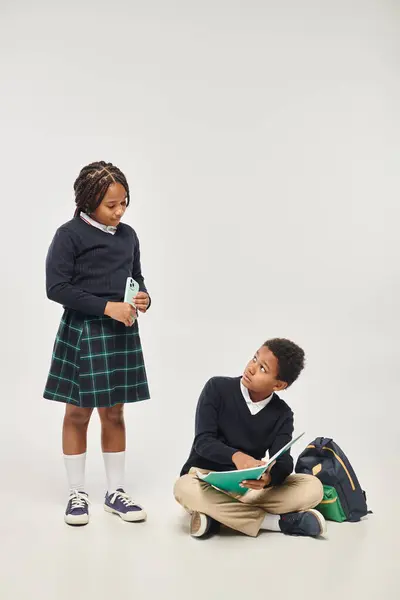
column 92, row 184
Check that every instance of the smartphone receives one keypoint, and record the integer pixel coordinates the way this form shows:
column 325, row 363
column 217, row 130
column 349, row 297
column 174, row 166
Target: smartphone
column 131, row 291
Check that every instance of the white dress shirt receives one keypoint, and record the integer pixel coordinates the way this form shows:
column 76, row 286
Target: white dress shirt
column 108, row 228
column 254, row 407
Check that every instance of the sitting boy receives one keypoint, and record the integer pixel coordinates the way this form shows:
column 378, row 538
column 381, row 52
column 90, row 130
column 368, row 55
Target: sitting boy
column 237, row 421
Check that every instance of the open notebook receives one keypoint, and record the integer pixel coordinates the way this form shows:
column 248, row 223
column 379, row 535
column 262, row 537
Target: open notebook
column 229, row 481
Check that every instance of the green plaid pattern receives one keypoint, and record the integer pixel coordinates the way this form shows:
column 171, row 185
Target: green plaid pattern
column 97, row 362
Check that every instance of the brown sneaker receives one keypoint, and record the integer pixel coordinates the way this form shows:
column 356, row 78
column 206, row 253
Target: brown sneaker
column 202, row 525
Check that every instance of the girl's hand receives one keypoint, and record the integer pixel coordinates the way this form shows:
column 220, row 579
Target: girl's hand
column 142, row 301
column 121, row 311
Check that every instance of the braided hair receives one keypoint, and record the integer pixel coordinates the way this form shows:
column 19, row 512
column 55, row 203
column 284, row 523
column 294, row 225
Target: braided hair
column 92, row 184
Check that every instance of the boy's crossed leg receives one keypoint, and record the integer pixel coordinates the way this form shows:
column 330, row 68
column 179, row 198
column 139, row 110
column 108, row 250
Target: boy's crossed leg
column 292, row 502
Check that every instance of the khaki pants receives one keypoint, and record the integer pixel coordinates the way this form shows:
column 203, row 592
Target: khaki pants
column 246, row 513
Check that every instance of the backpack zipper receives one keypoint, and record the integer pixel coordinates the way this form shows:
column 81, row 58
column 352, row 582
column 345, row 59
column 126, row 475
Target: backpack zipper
column 329, row 501
column 353, row 487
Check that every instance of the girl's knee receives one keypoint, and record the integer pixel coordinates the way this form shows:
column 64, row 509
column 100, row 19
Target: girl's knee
column 77, row 416
column 113, row 415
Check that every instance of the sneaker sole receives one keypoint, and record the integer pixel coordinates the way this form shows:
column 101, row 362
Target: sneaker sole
column 133, row 517
column 321, row 521
column 77, row 520
column 198, row 524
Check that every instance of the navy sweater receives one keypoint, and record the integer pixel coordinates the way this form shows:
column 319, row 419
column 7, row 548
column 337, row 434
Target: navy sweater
column 87, row 267
column 224, row 425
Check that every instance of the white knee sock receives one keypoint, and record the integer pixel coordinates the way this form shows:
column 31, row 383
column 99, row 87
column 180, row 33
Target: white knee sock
column 75, row 467
column 271, row 522
column 114, row 463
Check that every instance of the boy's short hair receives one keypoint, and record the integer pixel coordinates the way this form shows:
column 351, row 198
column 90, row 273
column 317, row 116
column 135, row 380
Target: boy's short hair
column 290, row 359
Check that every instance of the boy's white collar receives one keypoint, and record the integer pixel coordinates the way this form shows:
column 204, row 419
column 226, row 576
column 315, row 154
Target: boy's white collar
column 254, row 407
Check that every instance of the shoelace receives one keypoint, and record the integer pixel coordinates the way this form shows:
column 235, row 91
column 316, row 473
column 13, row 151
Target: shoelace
column 125, row 499
column 292, row 519
column 78, row 500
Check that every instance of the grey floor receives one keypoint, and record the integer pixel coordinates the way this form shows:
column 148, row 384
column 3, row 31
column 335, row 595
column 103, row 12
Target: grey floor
column 43, row 558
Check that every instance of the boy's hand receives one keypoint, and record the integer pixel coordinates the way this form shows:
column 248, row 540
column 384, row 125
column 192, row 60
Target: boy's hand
column 142, row 301
column 121, row 311
column 259, row 484
column 244, row 461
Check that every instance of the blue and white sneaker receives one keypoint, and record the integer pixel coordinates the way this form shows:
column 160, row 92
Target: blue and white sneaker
column 77, row 511
column 121, row 504
column 310, row 523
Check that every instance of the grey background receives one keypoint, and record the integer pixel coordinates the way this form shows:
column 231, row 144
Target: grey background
column 261, row 144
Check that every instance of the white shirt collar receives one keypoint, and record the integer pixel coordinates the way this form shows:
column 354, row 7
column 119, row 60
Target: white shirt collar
column 254, row 407
column 90, row 221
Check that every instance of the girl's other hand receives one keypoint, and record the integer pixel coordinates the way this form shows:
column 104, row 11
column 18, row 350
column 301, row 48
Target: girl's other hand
column 122, row 312
column 142, row 301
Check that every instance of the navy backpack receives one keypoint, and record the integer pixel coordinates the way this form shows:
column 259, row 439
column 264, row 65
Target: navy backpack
column 344, row 500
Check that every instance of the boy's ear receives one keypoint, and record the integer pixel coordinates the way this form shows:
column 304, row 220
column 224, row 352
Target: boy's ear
column 280, row 386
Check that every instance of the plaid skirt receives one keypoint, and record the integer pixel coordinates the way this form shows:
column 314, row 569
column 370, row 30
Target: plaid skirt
column 97, row 362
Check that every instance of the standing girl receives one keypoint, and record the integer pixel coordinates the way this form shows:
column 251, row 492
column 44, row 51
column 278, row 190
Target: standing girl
column 97, row 359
